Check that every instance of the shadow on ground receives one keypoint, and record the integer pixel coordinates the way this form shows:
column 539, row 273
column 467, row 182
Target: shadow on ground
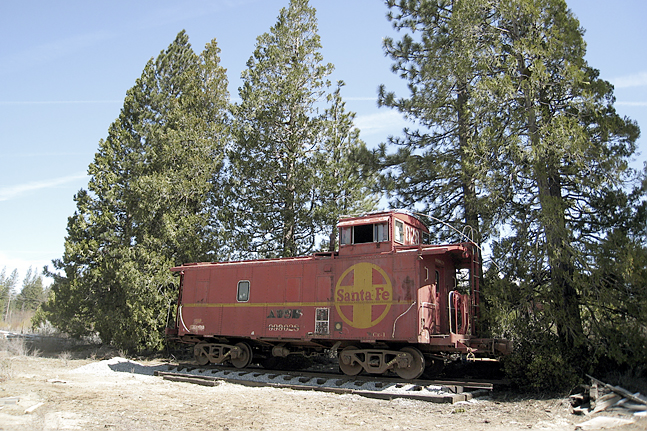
column 127, row 366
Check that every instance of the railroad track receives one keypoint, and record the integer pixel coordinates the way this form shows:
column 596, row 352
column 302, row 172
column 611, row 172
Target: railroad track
column 380, row 387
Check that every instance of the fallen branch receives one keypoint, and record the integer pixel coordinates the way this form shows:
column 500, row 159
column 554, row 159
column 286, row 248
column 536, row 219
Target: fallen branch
column 593, row 401
column 637, row 397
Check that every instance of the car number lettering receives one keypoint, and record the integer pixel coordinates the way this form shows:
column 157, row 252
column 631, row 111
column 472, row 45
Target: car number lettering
column 289, row 327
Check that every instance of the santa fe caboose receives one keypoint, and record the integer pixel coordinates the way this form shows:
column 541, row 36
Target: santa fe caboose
column 384, row 301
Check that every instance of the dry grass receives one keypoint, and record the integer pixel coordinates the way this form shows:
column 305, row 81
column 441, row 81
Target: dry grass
column 9, row 349
column 17, row 347
column 65, row 356
column 6, row 370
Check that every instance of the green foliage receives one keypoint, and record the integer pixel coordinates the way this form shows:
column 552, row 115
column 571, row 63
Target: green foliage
column 7, row 290
column 537, row 365
column 447, row 165
column 519, row 137
column 573, row 154
column 32, row 293
column 39, row 319
column 615, row 301
column 522, row 312
column 283, row 144
column 146, row 208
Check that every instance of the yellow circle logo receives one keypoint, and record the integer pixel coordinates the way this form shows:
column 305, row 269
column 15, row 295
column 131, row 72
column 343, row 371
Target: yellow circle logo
column 363, row 290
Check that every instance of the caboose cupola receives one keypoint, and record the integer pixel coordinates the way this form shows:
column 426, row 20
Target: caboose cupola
column 379, row 232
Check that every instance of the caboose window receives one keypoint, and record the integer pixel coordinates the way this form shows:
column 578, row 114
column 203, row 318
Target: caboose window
column 426, row 238
column 243, row 291
column 363, row 234
column 399, row 232
column 381, row 232
column 346, row 235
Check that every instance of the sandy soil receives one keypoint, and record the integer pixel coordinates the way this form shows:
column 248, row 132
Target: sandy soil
column 65, row 394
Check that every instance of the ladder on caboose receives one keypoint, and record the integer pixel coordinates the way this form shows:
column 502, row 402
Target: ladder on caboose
column 475, row 281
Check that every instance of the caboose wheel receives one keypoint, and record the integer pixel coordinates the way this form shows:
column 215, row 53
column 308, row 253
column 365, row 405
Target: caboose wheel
column 345, row 362
column 200, row 354
column 415, row 368
column 244, row 357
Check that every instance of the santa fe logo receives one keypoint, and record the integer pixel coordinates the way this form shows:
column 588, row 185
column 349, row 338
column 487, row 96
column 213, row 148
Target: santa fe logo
column 362, row 291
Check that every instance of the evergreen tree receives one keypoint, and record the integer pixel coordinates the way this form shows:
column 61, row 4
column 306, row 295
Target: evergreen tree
column 345, row 180
column 572, row 150
column 32, row 293
column 547, row 147
column 7, row 291
column 615, row 300
column 446, row 166
column 146, row 207
column 280, row 136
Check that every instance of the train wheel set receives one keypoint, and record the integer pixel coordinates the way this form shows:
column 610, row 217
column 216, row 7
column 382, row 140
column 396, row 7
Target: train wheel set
column 240, row 354
column 408, row 363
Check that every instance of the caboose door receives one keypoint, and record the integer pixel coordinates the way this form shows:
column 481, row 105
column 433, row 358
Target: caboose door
column 442, row 290
column 427, row 301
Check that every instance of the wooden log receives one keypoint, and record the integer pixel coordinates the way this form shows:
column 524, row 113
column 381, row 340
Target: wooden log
column 195, row 381
column 606, row 401
column 637, row 398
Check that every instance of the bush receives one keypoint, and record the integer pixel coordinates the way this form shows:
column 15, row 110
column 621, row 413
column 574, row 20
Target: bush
column 537, row 364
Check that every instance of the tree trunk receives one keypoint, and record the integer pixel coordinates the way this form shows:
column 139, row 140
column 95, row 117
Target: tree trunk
column 553, row 223
column 289, row 218
column 569, row 323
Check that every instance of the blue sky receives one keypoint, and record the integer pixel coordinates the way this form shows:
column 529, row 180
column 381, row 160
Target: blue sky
column 65, row 68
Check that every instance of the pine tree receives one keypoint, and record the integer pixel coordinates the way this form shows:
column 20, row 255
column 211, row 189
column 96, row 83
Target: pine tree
column 280, row 135
column 572, row 148
column 446, row 165
column 615, row 300
column 546, row 145
column 146, row 208
column 7, row 291
column 345, row 179
column 32, row 293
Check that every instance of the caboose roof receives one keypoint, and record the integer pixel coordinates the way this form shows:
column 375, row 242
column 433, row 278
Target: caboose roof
column 363, row 220
column 281, row 260
column 381, row 217
column 377, row 217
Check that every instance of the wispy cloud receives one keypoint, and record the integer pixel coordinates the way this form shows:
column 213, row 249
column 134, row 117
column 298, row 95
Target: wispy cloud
column 386, row 123
column 362, row 99
column 629, row 81
column 11, row 192
column 630, row 103
column 51, row 50
column 58, row 102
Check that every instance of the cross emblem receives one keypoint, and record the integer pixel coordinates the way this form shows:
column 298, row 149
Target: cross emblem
column 362, row 288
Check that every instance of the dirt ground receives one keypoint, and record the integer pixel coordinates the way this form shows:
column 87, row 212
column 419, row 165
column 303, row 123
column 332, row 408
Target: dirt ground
column 62, row 393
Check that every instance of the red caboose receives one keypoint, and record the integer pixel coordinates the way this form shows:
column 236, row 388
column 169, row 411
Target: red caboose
column 385, row 300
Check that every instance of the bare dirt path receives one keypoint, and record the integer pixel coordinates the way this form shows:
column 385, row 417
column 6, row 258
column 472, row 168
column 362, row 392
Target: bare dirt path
column 66, row 394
